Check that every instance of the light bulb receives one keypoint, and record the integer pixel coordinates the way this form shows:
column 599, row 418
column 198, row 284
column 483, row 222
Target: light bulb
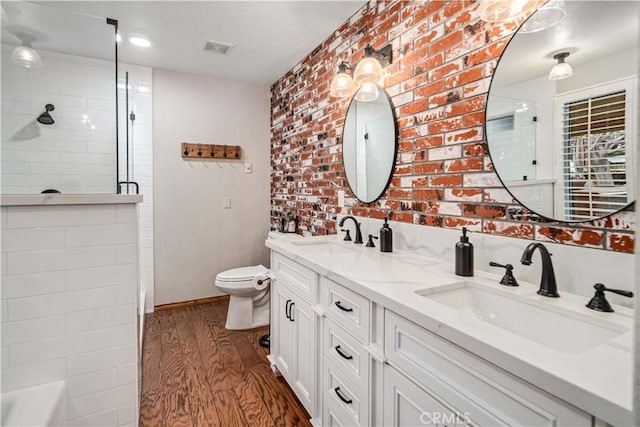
column 26, row 57
column 368, row 92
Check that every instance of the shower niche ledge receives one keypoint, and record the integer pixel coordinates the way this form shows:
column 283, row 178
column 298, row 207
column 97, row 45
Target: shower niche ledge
column 68, row 199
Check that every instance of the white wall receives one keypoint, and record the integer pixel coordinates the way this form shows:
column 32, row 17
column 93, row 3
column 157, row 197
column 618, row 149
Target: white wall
column 77, row 153
column 194, row 237
column 69, row 306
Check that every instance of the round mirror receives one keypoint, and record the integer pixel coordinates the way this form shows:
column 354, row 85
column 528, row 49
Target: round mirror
column 561, row 118
column 369, row 145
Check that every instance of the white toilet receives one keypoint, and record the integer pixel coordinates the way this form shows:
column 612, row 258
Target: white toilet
column 248, row 289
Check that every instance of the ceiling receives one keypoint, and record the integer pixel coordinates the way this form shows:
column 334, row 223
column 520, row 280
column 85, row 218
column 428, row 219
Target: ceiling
column 268, row 37
column 589, row 30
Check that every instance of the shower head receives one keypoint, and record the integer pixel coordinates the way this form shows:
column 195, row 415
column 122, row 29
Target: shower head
column 45, row 118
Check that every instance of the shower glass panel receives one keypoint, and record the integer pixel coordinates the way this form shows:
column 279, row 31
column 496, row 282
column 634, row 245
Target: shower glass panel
column 58, row 131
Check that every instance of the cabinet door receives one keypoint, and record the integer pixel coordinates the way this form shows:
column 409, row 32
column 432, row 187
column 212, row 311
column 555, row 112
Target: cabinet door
column 305, row 353
column 284, row 341
column 406, row 404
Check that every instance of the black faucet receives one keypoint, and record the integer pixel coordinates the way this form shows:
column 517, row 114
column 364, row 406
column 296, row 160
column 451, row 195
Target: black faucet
column 358, row 240
column 548, row 287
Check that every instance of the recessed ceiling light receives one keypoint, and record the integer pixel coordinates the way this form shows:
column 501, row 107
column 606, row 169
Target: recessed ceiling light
column 139, row 40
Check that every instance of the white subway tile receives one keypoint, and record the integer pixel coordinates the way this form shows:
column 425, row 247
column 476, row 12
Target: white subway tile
column 4, row 310
column 33, row 329
column 126, row 394
column 3, row 217
column 126, row 414
column 103, row 359
column 53, row 348
column 126, row 254
column 15, row 167
column 32, row 284
column 91, row 404
column 35, row 261
column 55, row 216
column 127, row 335
column 101, row 318
column 89, row 257
column 92, row 382
column 27, row 239
column 94, row 361
column 126, row 294
column 126, row 214
column 101, row 276
column 127, row 374
column 4, row 355
column 94, row 235
column 90, row 299
column 101, row 419
column 31, row 375
column 38, row 351
column 36, row 306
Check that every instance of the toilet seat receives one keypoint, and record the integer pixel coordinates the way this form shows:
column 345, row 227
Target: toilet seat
column 242, row 274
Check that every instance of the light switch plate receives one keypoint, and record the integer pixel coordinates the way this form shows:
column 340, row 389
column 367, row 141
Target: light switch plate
column 226, row 202
column 248, row 167
column 341, row 198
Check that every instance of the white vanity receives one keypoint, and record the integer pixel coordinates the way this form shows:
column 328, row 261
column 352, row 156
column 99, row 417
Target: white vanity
column 370, row 338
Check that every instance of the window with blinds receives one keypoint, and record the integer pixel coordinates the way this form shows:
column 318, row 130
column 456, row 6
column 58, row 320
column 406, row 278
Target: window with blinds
column 594, row 155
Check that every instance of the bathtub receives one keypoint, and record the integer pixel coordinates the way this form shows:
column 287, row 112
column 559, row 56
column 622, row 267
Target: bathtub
column 42, row 405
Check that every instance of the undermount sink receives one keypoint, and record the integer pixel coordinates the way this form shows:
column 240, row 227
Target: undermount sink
column 565, row 331
column 324, row 247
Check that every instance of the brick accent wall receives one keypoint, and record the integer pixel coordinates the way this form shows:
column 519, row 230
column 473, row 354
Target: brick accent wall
column 443, row 60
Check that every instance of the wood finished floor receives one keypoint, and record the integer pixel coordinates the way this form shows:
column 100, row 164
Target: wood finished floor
column 197, row 373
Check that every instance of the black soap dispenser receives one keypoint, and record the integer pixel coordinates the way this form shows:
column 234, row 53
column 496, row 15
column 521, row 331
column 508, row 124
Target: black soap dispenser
column 386, row 238
column 464, row 255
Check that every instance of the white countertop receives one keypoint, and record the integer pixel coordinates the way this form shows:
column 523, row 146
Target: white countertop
column 68, row 199
column 598, row 380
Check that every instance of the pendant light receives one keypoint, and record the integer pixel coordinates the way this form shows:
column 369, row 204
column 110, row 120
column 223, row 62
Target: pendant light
column 25, row 55
column 342, row 84
column 561, row 70
column 366, row 77
column 504, row 10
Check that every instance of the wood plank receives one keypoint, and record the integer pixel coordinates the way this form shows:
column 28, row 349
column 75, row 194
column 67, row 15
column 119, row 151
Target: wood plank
column 284, row 408
column 176, row 405
column 201, row 402
column 195, row 372
column 151, row 392
column 229, row 409
column 189, row 303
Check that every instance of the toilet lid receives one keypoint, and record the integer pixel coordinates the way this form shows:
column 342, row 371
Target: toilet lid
column 241, row 274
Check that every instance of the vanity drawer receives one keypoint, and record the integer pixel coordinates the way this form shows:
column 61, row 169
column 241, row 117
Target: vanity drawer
column 347, row 353
column 298, row 278
column 346, row 308
column 471, row 385
column 343, row 398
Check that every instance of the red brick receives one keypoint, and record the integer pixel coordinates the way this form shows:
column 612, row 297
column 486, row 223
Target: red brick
column 490, row 52
column 621, row 242
column 464, row 135
column 448, row 180
column 428, row 141
column 464, row 165
column 400, row 194
column 413, row 107
column 429, row 8
column 402, row 217
column 427, row 168
column 429, row 89
column 402, row 170
column 473, row 119
column 443, row 71
column 445, row 125
column 427, row 194
column 459, row 21
column 417, row 56
column 446, row 41
column 464, row 77
column 398, row 77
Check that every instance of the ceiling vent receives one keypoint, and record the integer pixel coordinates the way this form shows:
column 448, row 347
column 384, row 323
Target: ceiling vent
column 216, row 47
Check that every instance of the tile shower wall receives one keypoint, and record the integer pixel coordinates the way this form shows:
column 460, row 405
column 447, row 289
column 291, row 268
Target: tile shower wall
column 444, row 57
column 76, row 154
column 69, row 306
